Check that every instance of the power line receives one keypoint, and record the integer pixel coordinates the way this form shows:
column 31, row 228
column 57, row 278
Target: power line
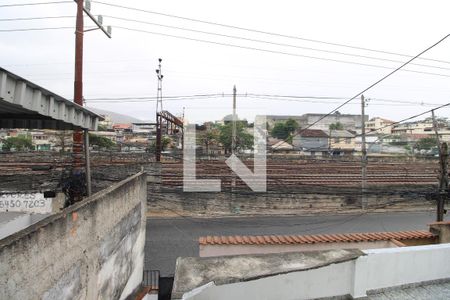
column 274, row 51
column 36, row 29
column 373, row 84
column 271, row 43
column 35, row 18
column 37, row 3
column 309, row 99
column 263, row 32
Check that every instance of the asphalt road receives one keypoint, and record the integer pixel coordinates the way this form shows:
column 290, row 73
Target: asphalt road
column 169, row 238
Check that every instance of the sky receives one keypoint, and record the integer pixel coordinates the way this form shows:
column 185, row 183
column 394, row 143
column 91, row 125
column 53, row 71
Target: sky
column 294, row 66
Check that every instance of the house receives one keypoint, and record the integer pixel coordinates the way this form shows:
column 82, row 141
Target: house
column 341, row 141
column 311, row 141
column 122, row 131
column 40, row 140
column 418, row 127
column 106, row 123
column 281, row 146
column 323, row 121
column 272, row 119
column 144, row 128
column 379, row 125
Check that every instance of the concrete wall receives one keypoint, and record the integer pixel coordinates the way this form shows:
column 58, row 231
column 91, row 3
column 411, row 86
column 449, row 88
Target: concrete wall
column 91, row 250
column 301, row 201
column 442, row 229
column 378, row 269
column 223, row 250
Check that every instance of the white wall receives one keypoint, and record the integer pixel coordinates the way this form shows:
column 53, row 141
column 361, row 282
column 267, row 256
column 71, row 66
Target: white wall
column 317, row 283
column 379, row 268
column 16, row 224
column 383, row 268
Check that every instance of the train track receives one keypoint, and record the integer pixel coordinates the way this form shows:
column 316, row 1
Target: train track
column 298, row 174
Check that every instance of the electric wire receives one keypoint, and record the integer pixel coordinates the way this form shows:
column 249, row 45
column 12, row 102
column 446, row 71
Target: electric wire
column 271, row 43
column 32, row 4
column 35, row 18
column 372, row 85
column 274, row 51
column 262, row 32
column 36, row 29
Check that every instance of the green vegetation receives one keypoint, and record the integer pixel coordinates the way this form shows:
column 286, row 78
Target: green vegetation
column 210, row 137
column 100, row 141
column 244, row 140
column 426, row 143
column 19, row 143
column 165, row 142
column 102, row 128
column 336, row 126
column 284, row 130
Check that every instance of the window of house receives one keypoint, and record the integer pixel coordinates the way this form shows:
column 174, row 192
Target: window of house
column 336, row 140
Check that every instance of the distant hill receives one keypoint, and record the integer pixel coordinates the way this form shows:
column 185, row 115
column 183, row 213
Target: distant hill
column 116, row 118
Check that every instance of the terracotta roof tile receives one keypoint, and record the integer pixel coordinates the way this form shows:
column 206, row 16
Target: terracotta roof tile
column 312, row 239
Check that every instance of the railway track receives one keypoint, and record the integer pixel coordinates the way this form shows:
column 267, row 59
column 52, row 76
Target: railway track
column 331, row 174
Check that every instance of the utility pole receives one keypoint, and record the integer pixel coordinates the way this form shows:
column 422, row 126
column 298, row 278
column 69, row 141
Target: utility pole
column 233, row 130
column 443, row 174
column 78, row 91
column 78, row 86
column 363, row 155
column 159, row 124
column 233, row 149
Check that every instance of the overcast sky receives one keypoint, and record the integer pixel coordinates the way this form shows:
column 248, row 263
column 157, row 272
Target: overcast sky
column 124, row 66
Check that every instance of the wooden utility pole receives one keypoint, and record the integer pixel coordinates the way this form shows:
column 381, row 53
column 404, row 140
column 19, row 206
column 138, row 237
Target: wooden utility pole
column 443, row 172
column 78, row 86
column 233, row 148
column 78, row 92
column 233, row 130
column 363, row 155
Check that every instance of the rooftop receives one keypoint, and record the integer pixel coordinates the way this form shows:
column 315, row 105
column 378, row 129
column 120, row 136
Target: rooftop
column 341, row 134
column 312, row 133
column 313, row 239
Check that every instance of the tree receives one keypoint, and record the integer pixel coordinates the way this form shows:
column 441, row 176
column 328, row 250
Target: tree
column 100, row 141
column 19, row 143
column 209, row 137
column 244, row 140
column 165, row 142
column 283, row 130
column 291, row 125
column 426, row 143
column 62, row 139
column 101, row 127
column 279, row 131
column 336, row 126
